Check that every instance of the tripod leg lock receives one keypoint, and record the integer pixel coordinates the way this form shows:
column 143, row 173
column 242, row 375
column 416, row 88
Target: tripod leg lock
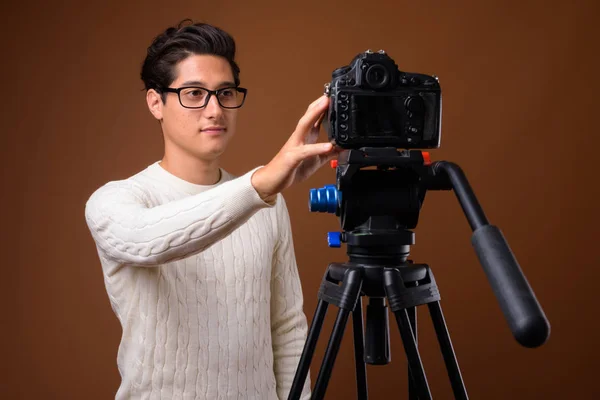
column 403, row 293
column 346, row 294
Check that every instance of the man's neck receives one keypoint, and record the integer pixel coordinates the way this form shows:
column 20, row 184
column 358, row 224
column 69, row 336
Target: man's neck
column 193, row 170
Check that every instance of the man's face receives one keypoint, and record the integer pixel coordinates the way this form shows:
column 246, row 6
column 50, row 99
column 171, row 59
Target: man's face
column 201, row 133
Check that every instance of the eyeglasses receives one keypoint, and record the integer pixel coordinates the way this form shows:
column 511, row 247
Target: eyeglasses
column 198, row 97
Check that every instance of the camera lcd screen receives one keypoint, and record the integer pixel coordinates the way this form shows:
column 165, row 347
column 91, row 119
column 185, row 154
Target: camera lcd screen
column 377, row 115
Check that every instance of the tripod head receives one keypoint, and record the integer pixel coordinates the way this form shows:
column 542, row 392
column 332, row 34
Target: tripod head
column 378, row 197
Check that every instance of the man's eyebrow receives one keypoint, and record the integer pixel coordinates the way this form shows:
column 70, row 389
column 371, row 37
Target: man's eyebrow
column 203, row 84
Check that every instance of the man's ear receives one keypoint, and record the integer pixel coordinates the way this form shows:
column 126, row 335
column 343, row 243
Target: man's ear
column 155, row 104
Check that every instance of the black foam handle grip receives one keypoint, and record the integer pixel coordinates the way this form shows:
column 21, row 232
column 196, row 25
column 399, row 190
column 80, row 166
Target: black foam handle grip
column 521, row 309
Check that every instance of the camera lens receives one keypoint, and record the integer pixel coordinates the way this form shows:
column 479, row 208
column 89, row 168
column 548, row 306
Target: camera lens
column 377, row 76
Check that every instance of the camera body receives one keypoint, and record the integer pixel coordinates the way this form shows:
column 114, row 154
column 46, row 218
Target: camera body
column 374, row 104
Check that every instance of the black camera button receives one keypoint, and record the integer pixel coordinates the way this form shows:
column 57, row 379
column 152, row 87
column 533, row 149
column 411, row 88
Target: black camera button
column 414, row 105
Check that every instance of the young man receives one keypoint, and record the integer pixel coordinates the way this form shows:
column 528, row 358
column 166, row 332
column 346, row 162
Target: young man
column 199, row 265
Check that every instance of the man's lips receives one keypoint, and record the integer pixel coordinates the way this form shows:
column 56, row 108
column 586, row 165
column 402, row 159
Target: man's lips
column 213, row 129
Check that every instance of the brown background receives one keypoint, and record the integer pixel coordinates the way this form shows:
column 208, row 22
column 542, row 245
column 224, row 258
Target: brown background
column 520, row 86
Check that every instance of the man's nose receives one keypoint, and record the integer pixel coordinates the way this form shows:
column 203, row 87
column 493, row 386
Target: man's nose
column 213, row 108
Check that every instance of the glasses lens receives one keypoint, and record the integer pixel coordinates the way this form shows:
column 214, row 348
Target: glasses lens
column 230, row 97
column 193, row 97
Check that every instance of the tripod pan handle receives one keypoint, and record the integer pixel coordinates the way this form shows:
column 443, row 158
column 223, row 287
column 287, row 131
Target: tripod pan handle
column 521, row 309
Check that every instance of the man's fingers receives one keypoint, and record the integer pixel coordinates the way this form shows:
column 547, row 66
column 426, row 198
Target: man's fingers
column 312, row 136
column 315, row 111
column 317, row 124
column 316, row 102
column 311, row 150
column 332, row 155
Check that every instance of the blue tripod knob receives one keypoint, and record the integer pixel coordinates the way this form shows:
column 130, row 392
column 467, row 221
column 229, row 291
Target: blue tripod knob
column 334, row 239
column 325, row 199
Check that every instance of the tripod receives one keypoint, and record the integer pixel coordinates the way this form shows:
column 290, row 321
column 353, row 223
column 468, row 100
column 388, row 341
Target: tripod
column 377, row 209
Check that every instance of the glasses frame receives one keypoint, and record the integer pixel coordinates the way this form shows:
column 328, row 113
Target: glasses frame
column 242, row 90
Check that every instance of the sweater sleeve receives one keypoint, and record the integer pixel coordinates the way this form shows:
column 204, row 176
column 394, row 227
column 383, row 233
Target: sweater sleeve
column 128, row 230
column 288, row 321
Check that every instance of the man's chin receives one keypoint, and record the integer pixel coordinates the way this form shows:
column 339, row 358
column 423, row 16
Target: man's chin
column 211, row 154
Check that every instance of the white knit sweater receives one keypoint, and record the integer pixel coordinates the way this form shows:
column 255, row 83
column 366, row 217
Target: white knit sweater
column 204, row 282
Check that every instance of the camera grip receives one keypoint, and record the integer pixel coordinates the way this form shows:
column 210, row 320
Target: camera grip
column 521, row 309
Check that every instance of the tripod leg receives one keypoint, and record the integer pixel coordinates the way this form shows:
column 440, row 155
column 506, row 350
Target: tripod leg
column 330, row 354
column 359, row 351
column 308, row 351
column 414, row 359
column 397, row 292
column 412, row 317
column 458, row 386
column 348, row 294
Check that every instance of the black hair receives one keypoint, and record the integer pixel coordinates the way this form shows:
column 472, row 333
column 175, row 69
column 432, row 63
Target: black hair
column 176, row 44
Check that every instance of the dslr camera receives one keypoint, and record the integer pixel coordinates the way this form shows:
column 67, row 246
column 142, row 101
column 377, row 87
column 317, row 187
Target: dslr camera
column 374, row 104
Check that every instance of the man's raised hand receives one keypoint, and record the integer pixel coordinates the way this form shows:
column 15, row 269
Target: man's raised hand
column 299, row 158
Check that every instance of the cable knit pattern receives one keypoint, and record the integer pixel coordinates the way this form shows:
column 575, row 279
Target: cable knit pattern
column 204, row 282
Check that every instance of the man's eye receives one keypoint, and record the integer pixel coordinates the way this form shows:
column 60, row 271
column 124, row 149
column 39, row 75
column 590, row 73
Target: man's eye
column 227, row 93
column 193, row 93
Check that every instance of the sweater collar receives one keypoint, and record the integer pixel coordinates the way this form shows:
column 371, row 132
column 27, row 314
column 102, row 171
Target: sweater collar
column 188, row 187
